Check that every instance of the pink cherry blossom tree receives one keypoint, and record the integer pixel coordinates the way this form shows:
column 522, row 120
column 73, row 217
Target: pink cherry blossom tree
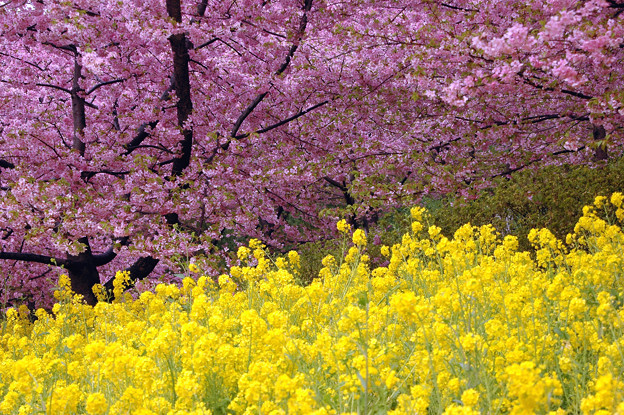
column 134, row 133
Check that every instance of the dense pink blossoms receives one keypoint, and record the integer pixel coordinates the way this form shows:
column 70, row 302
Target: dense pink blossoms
column 135, row 133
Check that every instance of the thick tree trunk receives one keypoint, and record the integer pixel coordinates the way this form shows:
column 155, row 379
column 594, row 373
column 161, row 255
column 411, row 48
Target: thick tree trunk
column 78, row 110
column 183, row 92
column 600, row 153
column 83, row 273
column 81, row 268
column 180, row 48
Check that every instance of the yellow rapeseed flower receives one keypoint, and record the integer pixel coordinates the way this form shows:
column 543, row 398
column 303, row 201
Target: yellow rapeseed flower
column 359, row 238
column 96, row 404
column 448, row 325
column 343, row 226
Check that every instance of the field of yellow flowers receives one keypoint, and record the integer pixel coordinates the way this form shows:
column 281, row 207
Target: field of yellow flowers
column 462, row 326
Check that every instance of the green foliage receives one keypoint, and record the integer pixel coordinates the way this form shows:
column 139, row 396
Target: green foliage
column 312, row 253
column 551, row 197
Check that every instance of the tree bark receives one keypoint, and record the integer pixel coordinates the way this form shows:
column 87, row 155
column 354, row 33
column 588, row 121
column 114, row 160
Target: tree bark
column 78, row 110
column 179, row 47
column 600, row 153
column 83, row 273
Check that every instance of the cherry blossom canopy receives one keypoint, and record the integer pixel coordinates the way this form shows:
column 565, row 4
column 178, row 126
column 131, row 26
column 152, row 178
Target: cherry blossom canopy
column 135, row 133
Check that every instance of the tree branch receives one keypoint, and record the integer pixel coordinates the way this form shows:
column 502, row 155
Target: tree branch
column 110, row 254
column 71, row 48
column 26, row 257
column 139, row 270
column 142, row 134
column 180, row 49
column 458, row 8
column 265, row 30
column 140, row 137
column 208, row 43
column 335, row 183
column 78, row 110
column 115, row 81
column 60, row 88
column 86, row 175
column 6, row 164
column 302, row 27
column 550, row 89
column 246, row 113
column 285, row 121
column 201, row 8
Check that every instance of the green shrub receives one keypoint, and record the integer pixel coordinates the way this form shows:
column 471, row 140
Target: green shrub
column 549, row 197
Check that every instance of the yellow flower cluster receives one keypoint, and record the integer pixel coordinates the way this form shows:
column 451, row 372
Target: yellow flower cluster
column 465, row 325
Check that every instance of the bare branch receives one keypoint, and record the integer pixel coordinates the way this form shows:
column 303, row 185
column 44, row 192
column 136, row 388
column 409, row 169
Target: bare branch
column 283, row 122
column 115, row 81
column 140, row 137
column 60, row 88
column 26, row 257
column 302, row 27
column 246, row 113
column 139, row 270
column 6, row 164
column 208, row 43
column 110, row 254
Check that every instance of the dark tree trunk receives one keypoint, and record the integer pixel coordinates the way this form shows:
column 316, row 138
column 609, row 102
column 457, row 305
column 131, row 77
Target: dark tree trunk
column 81, row 268
column 180, row 48
column 78, row 110
column 600, row 153
column 83, row 273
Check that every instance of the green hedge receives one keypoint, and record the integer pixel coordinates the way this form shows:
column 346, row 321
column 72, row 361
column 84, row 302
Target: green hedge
column 550, row 197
